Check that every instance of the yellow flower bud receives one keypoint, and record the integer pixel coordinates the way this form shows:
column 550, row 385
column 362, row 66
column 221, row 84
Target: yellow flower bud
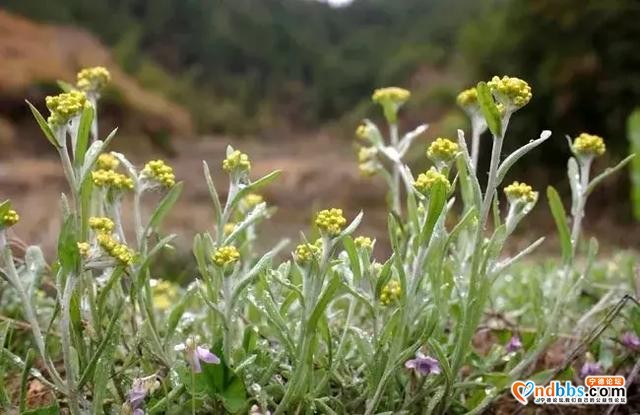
column 468, row 99
column 442, row 149
column 65, row 106
column 330, row 221
column 228, row 228
column 363, row 242
column 101, row 224
column 236, row 161
column 83, row 248
column 164, row 294
column 116, row 250
column 517, row 191
column 391, row 292
column 226, row 255
column 513, row 92
column 160, row 172
column 9, row 219
column 426, row 180
column 109, row 178
column 589, row 145
column 306, row 252
column 395, row 95
column 107, row 161
column 251, row 200
column 93, row 79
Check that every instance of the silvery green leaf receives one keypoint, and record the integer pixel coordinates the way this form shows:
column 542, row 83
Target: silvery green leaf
column 128, row 166
column 469, row 178
column 608, row 172
column 217, row 207
column 376, row 138
column 351, row 227
column 391, row 153
column 519, row 153
column 407, row 139
column 96, row 148
column 574, row 181
column 257, row 213
column 229, row 150
column 489, row 109
column 501, row 266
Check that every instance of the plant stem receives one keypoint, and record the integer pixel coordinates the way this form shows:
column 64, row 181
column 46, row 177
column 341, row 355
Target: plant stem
column 395, row 188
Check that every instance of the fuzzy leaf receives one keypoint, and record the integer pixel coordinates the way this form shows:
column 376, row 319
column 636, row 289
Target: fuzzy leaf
column 489, row 109
column 560, row 218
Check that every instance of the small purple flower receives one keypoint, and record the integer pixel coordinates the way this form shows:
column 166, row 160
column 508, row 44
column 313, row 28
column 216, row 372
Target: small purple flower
column 590, row 368
column 423, row 365
column 630, row 340
column 196, row 353
column 514, row 344
column 140, row 388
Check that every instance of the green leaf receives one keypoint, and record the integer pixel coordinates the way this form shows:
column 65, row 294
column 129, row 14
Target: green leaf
column 164, row 207
column 354, row 258
column 608, row 172
column 84, row 130
column 44, row 125
column 437, row 199
column 560, row 218
column 217, row 207
column 65, row 86
column 325, row 298
column 254, row 186
column 5, row 207
column 68, row 254
column 489, row 109
column 633, row 133
column 28, row 362
column 45, row 410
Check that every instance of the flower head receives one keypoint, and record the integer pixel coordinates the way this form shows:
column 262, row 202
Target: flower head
column 363, row 242
column 513, row 93
column 589, row 145
column 514, row 344
column 93, row 79
column 423, row 365
column 330, row 221
column 520, row 192
column 111, row 179
column 9, row 219
column 107, row 161
column 468, row 99
column 363, row 131
column 631, row 341
column 83, row 248
column 426, row 180
column 367, row 161
column 391, row 292
column 101, row 224
column 140, row 388
column 590, row 368
column 196, row 354
column 159, row 171
column 250, row 201
column 391, row 99
column 228, row 228
column 236, row 161
column 304, row 253
column 226, row 255
column 65, row 106
column 442, row 149
column 116, row 250
column 164, row 294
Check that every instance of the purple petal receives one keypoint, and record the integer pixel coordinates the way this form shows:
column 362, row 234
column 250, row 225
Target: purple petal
column 206, row 356
column 410, row 364
column 514, row 344
column 138, row 412
column 630, row 340
column 194, row 361
column 136, row 395
column 590, row 369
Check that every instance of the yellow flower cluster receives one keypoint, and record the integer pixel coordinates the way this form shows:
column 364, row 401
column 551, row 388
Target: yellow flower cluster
column 426, row 180
column 107, row 161
column 236, row 161
column 467, row 98
column 367, row 161
column 306, row 252
column 363, row 242
column 109, row 178
column 164, row 294
column 10, row 218
column 226, row 255
column 330, row 221
column 65, row 106
column 159, row 171
column 101, row 224
column 83, row 248
column 116, row 250
column 392, row 94
column 511, row 91
column 517, row 191
column 442, row 149
column 589, row 145
column 93, row 79
column 228, row 228
column 251, row 200
column 390, row 292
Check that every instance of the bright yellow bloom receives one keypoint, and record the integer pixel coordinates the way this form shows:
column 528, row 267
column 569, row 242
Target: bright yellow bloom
column 390, row 292
column 9, row 219
column 109, row 178
column 65, row 106
column 517, row 191
column 161, row 172
column 101, row 224
column 363, row 242
column 226, row 255
column 330, row 221
column 164, row 294
column 228, row 228
column 251, row 200
column 395, row 95
column 306, row 252
column 366, row 154
column 468, row 98
column 83, row 248
column 93, row 79
column 442, row 149
column 236, row 161
column 510, row 91
column 368, row 169
column 107, row 161
column 426, row 180
column 116, row 250
column 589, row 145
column 363, row 131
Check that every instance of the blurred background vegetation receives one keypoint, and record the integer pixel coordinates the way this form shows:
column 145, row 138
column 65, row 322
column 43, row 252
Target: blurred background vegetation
column 285, row 70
